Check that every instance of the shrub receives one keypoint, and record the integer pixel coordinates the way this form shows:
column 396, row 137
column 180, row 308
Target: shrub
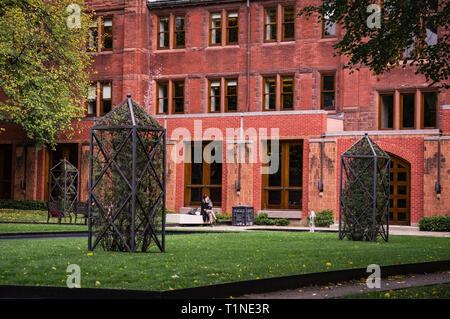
column 263, row 219
column 282, row 222
column 23, row 204
column 435, row 223
column 324, row 218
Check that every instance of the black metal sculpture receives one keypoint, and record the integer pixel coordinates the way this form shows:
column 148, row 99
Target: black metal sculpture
column 63, row 190
column 127, row 180
column 364, row 192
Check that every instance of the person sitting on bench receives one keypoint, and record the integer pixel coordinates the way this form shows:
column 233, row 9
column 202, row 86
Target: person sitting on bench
column 207, row 211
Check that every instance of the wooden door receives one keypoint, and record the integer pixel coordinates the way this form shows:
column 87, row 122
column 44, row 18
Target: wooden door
column 284, row 188
column 400, row 192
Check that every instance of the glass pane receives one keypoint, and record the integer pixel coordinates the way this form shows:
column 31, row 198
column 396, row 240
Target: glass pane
column 288, row 101
column 179, row 24
column 215, row 173
column 180, row 39
column 401, row 190
column 401, row 216
column 106, row 106
column 328, row 82
column 401, row 203
column 295, row 198
column 196, row 194
column 387, row 112
column 233, row 35
column 231, row 103
column 289, row 15
column 408, row 117
column 275, row 179
column 429, row 109
column 295, row 165
column 328, row 100
column 288, row 31
column 401, row 176
column 274, row 197
column 329, row 28
column 215, row 194
column 196, row 165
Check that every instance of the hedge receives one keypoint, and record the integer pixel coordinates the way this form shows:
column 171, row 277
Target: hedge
column 24, row 204
column 324, row 218
column 435, row 223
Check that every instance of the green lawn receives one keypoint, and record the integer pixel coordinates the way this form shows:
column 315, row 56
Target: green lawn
column 203, row 259
column 441, row 291
column 31, row 228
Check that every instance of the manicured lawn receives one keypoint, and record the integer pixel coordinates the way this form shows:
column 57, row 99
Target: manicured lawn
column 31, row 228
column 31, row 216
column 441, row 291
column 203, row 259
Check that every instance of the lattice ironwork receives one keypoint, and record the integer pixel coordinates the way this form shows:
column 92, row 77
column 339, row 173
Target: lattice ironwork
column 364, row 192
column 127, row 180
column 63, row 190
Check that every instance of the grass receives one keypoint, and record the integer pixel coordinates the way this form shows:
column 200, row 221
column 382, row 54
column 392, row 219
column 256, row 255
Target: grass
column 440, row 291
column 206, row 258
column 31, row 216
column 31, row 228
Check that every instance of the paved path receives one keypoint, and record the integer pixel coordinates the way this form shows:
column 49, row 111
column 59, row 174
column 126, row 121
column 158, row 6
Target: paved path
column 393, row 230
column 354, row 287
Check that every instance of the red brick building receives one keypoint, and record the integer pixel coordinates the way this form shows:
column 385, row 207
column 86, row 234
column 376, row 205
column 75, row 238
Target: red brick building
column 245, row 73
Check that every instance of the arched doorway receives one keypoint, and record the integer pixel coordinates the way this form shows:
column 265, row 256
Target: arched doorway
column 400, row 192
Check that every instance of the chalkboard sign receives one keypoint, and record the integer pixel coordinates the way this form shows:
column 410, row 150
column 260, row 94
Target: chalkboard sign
column 242, row 216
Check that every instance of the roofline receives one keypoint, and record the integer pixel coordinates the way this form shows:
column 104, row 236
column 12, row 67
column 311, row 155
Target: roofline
column 163, row 4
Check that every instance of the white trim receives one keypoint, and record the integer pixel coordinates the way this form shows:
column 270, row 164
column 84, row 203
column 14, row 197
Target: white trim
column 446, row 107
column 236, row 114
column 385, row 132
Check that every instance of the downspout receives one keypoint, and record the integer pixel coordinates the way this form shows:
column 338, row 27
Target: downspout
column 437, row 185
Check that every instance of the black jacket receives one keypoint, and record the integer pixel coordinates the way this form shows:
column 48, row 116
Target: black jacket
column 205, row 205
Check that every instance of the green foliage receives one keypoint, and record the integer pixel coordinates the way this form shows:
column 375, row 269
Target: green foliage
column 44, row 69
column 324, row 218
column 403, row 24
column 435, row 223
column 263, row 219
column 24, row 204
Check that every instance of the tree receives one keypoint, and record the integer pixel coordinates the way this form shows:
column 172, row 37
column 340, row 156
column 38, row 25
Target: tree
column 43, row 66
column 391, row 33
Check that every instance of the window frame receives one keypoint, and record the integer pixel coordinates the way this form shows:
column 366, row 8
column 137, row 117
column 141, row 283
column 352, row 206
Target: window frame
column 380, row 110
column 226, row 108
column 174, row 97
column 422, row 110
column 166, row 33
column 210, row 81
column 102, row 33
column 158, row 98
column 227, row 42
column 401, row 106
column 282, row 93
column 270, row 24
column 175, row 31
column 283, row 23
column 265, row 95
column 322, row 91
column 102, row 100
column 211, row 28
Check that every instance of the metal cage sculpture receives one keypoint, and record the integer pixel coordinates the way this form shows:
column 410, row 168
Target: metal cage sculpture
column 63, row 190
column 127, row 191
column 364, row 192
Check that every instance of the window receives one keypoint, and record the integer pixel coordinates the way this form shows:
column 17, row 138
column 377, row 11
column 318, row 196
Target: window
column 328, row 91
column 215, row 30
column 270, row 25
column 91, row 103
column 328, row 26
column 431, row 39
column 99, row 99
column 407, row 110
column 386, row 119
column 214, row 96
column 93, row 37
column 178, row 97
column 179, row 32
column 429, row 110
column 270, row 93
column 231, row 96
column 163, row 33
column 105, row 106
column 232, row 28
column 107, row 34
column 288, row 24
column 287, row 93
column 162, row 98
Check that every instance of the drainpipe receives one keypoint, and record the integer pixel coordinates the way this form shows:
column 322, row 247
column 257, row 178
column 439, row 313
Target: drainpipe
column 437, row 185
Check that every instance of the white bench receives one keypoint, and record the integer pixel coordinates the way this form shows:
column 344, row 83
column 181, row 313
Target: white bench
column 184, row 219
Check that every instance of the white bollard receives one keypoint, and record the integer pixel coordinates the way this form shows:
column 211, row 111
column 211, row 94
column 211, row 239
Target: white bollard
column 312, row 216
